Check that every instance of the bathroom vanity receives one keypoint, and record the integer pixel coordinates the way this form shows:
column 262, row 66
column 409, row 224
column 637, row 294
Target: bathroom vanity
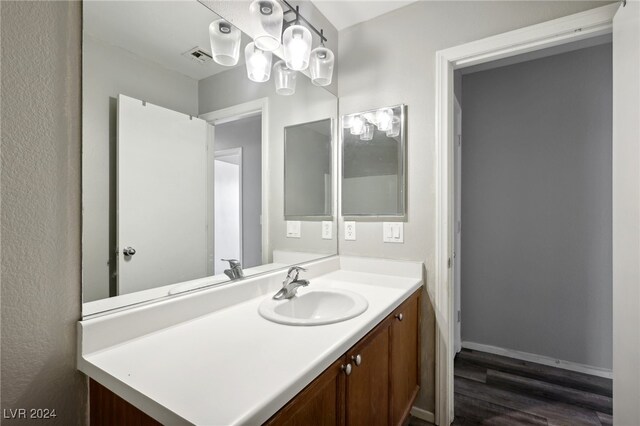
column 211, row 358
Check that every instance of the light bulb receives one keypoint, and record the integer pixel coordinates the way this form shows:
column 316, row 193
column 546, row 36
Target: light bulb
column 258, row 63
column 383, row 119
column 297, row 47
column 347, row 121
column 357, row 126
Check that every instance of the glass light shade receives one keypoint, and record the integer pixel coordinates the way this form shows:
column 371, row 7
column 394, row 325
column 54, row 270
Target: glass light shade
column 285, row 79
column 394, row 130
column 347, row 121
column 266, row 19
column 384, row 116
column 321, row 66
column 367, row 134
column 258, row 63
column 357, row 125
column 297, row 47
column 225, row 42
column 370, row 117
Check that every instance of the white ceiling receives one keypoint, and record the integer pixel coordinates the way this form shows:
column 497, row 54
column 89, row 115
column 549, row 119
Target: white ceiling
column 159, row 31
column 345, row 13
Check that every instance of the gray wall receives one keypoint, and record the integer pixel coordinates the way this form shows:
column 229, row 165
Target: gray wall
column 536, row 207
column 41, row 214
column 391, row 60
column 247, row 134
column 109, row 71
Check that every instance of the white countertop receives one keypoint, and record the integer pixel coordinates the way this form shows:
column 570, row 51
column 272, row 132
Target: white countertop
column 232, row 366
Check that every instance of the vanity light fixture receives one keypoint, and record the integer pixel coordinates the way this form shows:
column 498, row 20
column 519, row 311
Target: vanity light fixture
column 357, row 125
column 384, row 116
column 225, row 42
column 285, row 79
column 267, row 19
column 258, row 63
column 367, row 134
column 394, row 130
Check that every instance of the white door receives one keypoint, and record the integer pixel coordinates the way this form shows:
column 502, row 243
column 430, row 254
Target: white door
column 228, row 208
column 161, row 196
column 457, row 261
column 626, row 214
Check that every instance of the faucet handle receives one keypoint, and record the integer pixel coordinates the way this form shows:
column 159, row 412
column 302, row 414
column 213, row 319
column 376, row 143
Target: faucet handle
column 296, row 270
column 233, row 263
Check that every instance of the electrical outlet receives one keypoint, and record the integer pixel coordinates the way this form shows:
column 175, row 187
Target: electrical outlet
column 327, row 229
column 350, row 231
column 293, row 229
column 393, row 232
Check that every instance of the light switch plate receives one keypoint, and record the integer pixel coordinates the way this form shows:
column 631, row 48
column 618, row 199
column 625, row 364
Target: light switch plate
column 393, row 232
column 327, row 229
column 293, row 229
column 350, row 231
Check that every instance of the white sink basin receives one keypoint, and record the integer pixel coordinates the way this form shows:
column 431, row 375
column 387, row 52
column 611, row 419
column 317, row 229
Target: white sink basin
column 314, row 307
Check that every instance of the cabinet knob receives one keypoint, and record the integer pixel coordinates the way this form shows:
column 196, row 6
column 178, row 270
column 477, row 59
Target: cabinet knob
column 357, row 359
column 399, row 317
column 346, row 369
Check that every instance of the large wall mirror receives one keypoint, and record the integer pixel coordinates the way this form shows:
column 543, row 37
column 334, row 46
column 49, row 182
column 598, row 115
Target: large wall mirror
column 184, row 158
column 374, row 178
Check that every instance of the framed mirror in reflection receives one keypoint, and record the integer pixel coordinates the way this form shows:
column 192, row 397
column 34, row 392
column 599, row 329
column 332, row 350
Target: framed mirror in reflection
column 308, row 158
column 182, row 156
column 374, row 178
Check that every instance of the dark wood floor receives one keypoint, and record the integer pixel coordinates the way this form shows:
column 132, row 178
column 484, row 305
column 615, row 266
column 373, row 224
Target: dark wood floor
column 496, row 390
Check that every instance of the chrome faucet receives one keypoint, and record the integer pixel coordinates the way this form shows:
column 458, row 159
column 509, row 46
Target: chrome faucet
column 235, row 269
column 291, row 283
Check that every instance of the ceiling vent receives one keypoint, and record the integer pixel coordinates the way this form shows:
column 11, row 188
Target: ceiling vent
column 198, row 54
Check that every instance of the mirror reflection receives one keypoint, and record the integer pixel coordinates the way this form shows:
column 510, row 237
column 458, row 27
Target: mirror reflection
column 183, row 155
column 373, row 164
column 307, row 168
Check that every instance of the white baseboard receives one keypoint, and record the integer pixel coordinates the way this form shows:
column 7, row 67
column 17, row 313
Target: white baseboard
column 425, row 415
column 540, row 359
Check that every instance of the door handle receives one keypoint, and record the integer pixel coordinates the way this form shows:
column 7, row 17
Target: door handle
column 128, row 251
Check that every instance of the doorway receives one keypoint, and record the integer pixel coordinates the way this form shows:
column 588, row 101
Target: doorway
column 623, row 21
column 534, row 199
column 228, row 207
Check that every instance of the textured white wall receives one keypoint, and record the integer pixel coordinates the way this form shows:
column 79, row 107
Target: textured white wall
column 391, row 60
column 41, row 208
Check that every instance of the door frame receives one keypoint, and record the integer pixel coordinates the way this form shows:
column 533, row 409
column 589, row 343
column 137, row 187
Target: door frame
column 228, row 153
column 580, row 26
column 236, row 112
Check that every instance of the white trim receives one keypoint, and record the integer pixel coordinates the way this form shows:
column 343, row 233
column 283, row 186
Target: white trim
column 568, row 29
column 244, row 110
column 425, row 415
column 230, row 153
column 540, row 359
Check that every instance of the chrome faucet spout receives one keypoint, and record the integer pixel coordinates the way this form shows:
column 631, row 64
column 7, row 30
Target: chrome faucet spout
column 291, row 284
column 235, row 269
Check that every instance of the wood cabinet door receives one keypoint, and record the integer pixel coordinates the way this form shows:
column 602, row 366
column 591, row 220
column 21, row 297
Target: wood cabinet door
column 321, row 403
column 405, row 358
column 367, row 390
